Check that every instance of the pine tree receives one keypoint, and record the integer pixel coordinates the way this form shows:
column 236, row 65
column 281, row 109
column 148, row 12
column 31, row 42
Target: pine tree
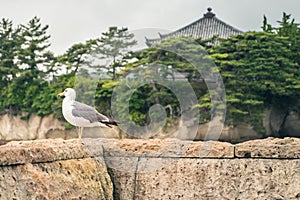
column 77, row 55
column 266, row 27
column 9, row 45
column 34, row 49
column 287, row 26
column 32, row 59
column 114, row 45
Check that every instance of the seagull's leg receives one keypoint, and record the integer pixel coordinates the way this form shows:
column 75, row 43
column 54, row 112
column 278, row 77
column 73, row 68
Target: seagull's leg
column 80, row 133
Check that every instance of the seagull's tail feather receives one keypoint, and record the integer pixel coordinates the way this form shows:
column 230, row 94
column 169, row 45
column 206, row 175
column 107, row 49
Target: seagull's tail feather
column 109, row 123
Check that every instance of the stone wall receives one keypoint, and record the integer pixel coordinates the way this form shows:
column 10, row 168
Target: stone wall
column 30, row 127
column 27, row 127
column 150, row 169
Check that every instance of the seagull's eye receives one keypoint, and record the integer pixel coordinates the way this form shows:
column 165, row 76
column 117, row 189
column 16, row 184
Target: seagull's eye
column 66, row 90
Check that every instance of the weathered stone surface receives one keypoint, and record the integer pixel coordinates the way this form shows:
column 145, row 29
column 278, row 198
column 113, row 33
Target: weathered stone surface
column 288, row 148
column 54, row 169
column 22, row 152
column 167, row 148
column 235, row 134
column 171, row 178
column 69, row 179
column 283, row 121
column 291, row 126
column 15, row 128
column 48, row 123
column 122, row 158
column 123, row 175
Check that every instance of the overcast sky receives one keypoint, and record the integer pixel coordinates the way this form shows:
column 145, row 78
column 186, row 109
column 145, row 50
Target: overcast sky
column 74, row 21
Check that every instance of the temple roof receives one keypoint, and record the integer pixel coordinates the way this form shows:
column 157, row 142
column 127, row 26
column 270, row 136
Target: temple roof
column 206, row 27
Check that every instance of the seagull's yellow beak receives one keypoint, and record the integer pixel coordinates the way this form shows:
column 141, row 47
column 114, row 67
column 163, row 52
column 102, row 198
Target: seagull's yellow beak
column 60, row 94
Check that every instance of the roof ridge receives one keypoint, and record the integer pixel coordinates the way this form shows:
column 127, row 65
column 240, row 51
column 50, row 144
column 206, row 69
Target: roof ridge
column 188, row 25
column 205, row 27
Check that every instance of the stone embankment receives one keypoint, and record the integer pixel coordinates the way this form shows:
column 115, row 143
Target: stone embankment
column 31, row 127
column 150, row 169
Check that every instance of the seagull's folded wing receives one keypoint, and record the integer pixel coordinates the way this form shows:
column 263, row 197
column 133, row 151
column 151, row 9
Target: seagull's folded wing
column 87, row 112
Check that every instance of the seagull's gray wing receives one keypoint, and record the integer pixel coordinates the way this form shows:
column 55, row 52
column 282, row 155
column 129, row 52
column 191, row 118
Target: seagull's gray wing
column 87, row 112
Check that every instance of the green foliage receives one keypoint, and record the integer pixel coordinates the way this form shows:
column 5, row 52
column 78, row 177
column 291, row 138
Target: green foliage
column 266, row 27
column 35, row 42
column 113, row 45
column 85, row 89
column 287, row 28
column 103, row 95
column 9, row 45
column 76, row 56
column 157, row 63
column 257, row 69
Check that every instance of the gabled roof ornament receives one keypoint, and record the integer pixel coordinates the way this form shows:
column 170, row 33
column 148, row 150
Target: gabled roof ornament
column 209, row 14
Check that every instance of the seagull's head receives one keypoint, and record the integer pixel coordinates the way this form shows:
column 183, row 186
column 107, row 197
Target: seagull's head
column 68, row 93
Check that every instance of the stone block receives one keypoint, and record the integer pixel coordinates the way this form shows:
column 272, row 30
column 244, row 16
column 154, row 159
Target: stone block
column 168, row 148
column 287, row 148
column 37, row 151
column 162, row 178
column 67, row 179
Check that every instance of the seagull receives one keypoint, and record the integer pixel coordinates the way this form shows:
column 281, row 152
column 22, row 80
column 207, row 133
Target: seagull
column 80, row 114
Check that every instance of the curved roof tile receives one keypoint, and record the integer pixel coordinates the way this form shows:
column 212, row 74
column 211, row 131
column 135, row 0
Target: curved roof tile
column 206, row 27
